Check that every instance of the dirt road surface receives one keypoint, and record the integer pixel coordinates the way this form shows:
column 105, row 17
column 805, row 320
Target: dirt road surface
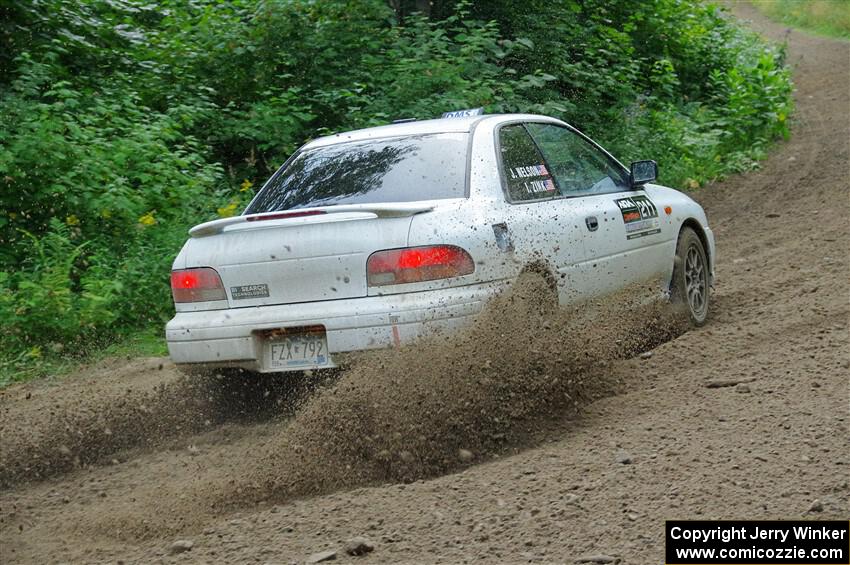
column 508, row 459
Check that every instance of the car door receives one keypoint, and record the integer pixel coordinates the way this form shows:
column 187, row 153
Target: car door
column 622, row 236
column 541, row 227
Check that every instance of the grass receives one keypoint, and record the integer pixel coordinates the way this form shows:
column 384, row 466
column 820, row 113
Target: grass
column 824, row 17
column 145, row 343
column 148, row 343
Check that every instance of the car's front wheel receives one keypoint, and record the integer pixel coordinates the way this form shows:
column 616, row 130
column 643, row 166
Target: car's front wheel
column 689, row 286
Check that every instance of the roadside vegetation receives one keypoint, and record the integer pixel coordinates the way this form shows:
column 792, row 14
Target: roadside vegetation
column 123, row 122
column 825, row 17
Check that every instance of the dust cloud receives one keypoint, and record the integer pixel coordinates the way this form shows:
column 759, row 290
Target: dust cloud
column 48, row 430
column 397, row 415
column 445, row 403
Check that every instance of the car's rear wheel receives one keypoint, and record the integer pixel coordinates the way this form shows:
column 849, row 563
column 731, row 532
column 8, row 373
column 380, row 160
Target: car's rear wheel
column 250, row 396
column 536, row 290
column 689, row 287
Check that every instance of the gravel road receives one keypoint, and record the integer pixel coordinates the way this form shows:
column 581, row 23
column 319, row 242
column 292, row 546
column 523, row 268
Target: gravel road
column 476, row 453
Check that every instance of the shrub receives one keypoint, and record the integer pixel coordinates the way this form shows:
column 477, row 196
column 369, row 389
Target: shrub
column 124, row 123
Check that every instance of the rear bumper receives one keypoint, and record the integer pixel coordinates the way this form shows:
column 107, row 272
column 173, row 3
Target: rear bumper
column 231, row 337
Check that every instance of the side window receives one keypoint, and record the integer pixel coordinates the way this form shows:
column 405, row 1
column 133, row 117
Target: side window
column 577, row 165
column 523, row 166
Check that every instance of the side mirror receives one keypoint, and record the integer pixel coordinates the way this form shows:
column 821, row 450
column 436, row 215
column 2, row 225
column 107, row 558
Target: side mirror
column 642, row 172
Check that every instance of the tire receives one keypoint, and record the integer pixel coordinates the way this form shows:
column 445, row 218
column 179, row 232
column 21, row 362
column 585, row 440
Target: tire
column 689, row 286
column 247, row 396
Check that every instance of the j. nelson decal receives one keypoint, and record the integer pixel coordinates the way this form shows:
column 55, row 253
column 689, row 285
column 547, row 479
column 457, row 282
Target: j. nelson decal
column 640, row 216
column 545, row 184
column 249, row 291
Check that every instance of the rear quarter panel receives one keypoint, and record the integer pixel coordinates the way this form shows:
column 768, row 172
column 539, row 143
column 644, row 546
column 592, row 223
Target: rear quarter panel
column 465, row 224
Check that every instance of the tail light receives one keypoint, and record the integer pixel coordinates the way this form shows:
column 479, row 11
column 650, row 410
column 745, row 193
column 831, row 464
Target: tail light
column 197, row 285
column 417, row 264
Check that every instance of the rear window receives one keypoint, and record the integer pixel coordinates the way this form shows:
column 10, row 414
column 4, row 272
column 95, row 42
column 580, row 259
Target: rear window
column 401, row 169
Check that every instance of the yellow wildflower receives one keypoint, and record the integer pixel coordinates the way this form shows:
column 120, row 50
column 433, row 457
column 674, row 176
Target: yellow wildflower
column 693, row 184
column 246, row 186
column 227, row 211
column 72, row 220
column 147, row 219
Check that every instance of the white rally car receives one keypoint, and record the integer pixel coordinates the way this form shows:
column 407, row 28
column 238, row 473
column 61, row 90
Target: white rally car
column 373, row 238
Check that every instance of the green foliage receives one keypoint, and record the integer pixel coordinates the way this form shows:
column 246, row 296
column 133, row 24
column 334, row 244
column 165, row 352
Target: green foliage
column 97, row 159
column 123, row 123
column 668, row 80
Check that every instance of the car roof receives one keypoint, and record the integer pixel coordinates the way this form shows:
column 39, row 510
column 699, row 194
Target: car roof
column 423, row 127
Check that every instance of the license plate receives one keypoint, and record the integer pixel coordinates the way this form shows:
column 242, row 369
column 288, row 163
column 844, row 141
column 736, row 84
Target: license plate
column 297, row 351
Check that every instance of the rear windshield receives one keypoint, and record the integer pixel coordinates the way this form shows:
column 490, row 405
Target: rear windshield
column 401, row 169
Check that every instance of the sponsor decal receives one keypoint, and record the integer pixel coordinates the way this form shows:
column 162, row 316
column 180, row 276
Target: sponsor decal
column 249, row 291
column 464, row 113
column 640, row 216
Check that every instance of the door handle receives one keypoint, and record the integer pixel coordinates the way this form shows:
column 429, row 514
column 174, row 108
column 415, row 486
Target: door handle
column 592, row 223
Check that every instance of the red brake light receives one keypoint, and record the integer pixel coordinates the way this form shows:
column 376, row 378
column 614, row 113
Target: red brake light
column 417, row 264
column 196, row 285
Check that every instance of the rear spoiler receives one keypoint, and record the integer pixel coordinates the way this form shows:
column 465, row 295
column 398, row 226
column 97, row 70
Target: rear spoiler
column 380, row 211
